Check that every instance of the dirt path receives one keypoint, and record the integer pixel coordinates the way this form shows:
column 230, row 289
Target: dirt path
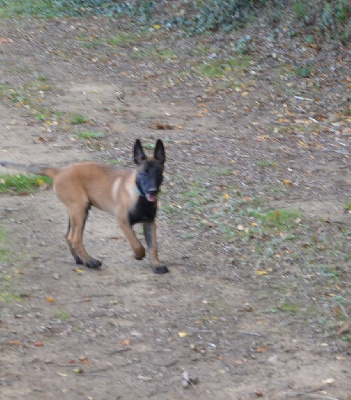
column 246, row 313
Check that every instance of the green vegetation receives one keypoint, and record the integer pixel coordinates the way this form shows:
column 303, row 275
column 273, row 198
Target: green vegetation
column 122, row 40
column 62, row 314
column 331, row 19
column 281, row 219
column 92, row 135
column 116, row 161
column 22, row 183
column 221, row 67
column 265, row 163
column 76, row 119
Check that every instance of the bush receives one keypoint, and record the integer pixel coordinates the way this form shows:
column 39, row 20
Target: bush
column 330, row 18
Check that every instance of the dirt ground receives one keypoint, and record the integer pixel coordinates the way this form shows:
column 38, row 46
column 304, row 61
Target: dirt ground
column 247, row 310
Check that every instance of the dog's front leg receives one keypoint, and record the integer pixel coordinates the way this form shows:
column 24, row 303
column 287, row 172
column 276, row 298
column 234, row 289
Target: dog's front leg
column 150, row 237
column 139, row 251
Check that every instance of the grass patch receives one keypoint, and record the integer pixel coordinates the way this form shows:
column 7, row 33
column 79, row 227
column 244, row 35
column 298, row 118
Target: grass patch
column 223, row 67
column 265, row 163
column 92, row 135
column 62, row 315
column 116, row 161
column 304, row 71
column 278, row 218
column 22, row 183
column 76, row 119
column 122, row 40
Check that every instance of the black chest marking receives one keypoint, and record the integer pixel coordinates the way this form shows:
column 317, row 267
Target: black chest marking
column 144, row 211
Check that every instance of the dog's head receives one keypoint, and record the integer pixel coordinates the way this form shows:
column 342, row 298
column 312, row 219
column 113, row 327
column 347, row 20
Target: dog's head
column 150, row 170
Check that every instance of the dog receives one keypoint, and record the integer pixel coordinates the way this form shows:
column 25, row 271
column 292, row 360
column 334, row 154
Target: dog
column 129, row 195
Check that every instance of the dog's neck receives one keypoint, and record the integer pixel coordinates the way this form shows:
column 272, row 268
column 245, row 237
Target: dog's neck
column 138, row 191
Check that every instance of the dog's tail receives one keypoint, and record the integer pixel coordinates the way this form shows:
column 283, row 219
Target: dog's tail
column 33, row 169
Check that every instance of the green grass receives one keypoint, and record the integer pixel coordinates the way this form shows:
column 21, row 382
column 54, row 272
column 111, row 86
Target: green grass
column 11, row 8
column 278, row 218
column 76, row 119
column 221, row 67
column 301, row 9
column 122, row 40
column 225, row 171
column 265, row 163
column 117, row 161
column 22, row 183
column 303, row 72
column 149, row 146
column 62, row 315
column 92, row 135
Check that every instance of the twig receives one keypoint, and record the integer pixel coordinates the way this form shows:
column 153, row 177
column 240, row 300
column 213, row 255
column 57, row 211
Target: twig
column 119, row 351
column 249, row 333
column 310, row 395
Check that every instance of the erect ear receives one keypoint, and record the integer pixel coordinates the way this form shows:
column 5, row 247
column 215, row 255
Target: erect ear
column 160, row 154
column 139, row 154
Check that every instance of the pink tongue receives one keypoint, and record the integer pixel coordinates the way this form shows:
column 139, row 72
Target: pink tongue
column 151, row 197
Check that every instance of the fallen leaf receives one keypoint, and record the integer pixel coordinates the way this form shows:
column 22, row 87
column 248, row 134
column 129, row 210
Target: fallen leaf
column 226, row 196
column 345, row 328
column 260, row 272
column 15, row 342
column 38, row 344
column 126, row 342
column 50, row 299
column 84, row 360
column 261, row 349
column 79, row 271
column 161, row 126
column 78, row 371
column 183, row 334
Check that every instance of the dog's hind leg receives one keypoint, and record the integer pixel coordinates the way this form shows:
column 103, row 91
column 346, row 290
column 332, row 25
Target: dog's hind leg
column 74, row 254
column 77, row 219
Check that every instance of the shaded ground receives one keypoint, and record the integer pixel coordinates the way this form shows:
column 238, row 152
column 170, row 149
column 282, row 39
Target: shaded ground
column 256, row 303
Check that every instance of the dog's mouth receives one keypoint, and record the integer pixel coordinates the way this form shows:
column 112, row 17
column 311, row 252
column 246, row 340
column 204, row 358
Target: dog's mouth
column 151, row 197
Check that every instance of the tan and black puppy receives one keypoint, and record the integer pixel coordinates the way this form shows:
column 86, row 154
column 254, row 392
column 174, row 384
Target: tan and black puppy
column 130, row 195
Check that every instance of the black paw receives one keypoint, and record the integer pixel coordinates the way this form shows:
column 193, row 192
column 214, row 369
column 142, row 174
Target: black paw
column 92, row 263
column 78, row 261
column 160, row 270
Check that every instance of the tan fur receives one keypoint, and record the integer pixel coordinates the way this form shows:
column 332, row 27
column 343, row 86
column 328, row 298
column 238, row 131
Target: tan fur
column 107, row 188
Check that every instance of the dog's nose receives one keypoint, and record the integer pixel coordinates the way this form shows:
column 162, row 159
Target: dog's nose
column 152, row 191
